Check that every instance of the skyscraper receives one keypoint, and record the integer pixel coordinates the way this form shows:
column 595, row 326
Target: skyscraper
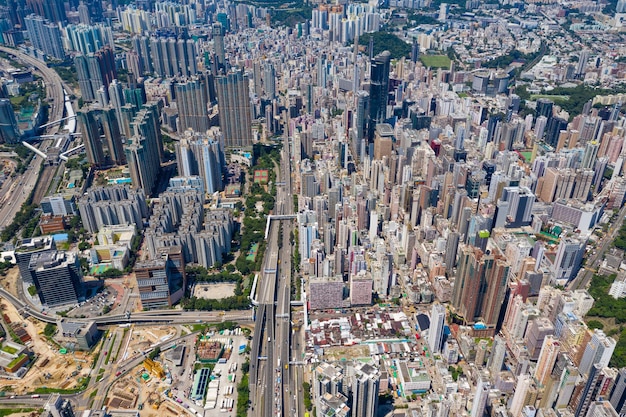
column 95, row 71
column 569, row 257
column 598, row 351
column 45, row 36
column 52, row 10
column 203, row 156
column 479, row 404
column 480, row 285
column 269, row 80
column 218, row 43
column 88, row 39
column 9, row 133
column 161, row 281
column 547, row 359
column 142, row 151
column 96, row 124
column 379, row 87
column 618, row 396
column 233, row 99
column 525, row 394
column 192, row 97
column 435, row 331
column 589, row 393
column 365, row 391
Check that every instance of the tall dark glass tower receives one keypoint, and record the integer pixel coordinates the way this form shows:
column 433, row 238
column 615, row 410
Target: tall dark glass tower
column 379, row 88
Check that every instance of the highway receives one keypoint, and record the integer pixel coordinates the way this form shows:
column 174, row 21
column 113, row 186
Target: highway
column 54, row 84
column 27, row 182
column 151, row 316
column 272, row 381
column 594, row 261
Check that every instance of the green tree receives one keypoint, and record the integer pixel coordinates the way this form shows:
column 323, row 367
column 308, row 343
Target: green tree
column 595, row 324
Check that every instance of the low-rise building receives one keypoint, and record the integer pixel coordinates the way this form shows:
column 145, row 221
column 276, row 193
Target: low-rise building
column 83, row 334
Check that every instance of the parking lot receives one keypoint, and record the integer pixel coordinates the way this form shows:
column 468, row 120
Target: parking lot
column 96, row 305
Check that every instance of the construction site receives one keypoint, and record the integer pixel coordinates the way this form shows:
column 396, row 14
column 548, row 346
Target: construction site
column 146, row 388
column 51, row 366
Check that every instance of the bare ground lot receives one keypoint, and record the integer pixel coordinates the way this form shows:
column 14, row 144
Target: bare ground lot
column 214, row 291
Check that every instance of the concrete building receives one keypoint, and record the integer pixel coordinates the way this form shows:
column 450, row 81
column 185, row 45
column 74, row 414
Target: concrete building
column 597, row 352
column 59, row 205
column 365, row 391
column 326, row 293
column 233, row 100
column 57, row 277
column 45, row 36
column 84, row 335
column 26, row 248
column 435, row 332
column 116, row 205
column 161, row 281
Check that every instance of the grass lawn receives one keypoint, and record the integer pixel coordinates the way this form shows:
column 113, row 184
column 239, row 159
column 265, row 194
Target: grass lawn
column 9, row 349
column 435, row 61
column 549, row 97
column 10, row 411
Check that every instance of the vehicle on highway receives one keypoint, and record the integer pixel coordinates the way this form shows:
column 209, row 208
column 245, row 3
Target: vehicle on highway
column 35, row 396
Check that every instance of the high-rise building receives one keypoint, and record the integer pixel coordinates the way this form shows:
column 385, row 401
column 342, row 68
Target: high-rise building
column 88, row 39
column 53, row 10
column 218, row 43
column 525, row 394
column 498, row 352
column 379, row 87
column 95, row 71
column 198, row 154
column 192, row 97
column 567, row 384
column 56, row 406
column 435, row 331
column 142, row 151
column 233, row 99
column 57, row 278
column 538, row 329
column 9, row 132
column 170, row 57
column 45, row 36
column 479, row 404
column 598, row 351
column 582, row 63
column 101, row 136
column 329, row 379
column 26, row 248
column 269, row 80
column 547, row 358
column 365, row 385
column 115, row 205
column 618, row 396
column 162, row 280
column 599, row 378
column 569, row 256
column 326, row 293
column 601, row 409
column 480, row 285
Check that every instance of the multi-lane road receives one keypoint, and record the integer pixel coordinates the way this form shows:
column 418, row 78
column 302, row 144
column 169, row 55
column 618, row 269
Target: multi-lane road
column 583, row 278
column 17, row 194
column 272, row 380
column 152, row 316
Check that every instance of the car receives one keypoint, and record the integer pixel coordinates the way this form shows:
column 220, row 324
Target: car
column 106, row 352
column 118, row 373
